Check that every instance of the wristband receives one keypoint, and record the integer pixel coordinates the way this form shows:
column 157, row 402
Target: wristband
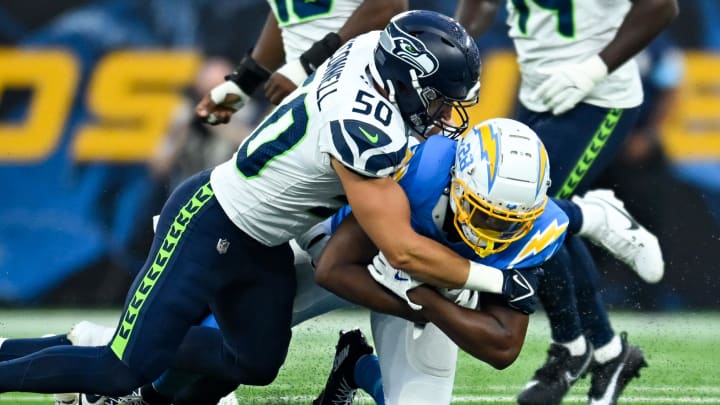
column 249, row 74
column 294, row 71
column 219, row 93
column 319, row 52
column 484, row 278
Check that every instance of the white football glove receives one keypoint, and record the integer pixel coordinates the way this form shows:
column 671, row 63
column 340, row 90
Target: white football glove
column 461, row 296
column 294, row 71
column 567, row 85
column 397, row 281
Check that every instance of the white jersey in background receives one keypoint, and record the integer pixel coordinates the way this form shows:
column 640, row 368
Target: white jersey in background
column 547, row 37
column 326, row 16
column 280, row 182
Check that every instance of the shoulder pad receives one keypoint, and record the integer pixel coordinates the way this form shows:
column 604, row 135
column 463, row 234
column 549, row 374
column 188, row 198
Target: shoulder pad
column 367, row 149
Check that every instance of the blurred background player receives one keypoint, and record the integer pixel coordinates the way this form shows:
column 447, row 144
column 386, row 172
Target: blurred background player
column 287, row 50
column 662, row 68
column 580, row 91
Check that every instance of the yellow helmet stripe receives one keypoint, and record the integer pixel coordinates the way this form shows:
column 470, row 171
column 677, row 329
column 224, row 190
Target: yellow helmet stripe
column 542, row 162
column 490, row 146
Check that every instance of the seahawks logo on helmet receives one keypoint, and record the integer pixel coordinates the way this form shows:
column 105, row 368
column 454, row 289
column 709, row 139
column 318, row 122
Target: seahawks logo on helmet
column 410, row 49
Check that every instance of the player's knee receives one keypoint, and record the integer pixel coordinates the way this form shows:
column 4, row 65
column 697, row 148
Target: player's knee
column 260, row 369
column 504, row 359
column 262, row 375
column 124, row 379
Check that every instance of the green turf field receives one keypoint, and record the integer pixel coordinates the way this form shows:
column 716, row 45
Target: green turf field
column 683, row 350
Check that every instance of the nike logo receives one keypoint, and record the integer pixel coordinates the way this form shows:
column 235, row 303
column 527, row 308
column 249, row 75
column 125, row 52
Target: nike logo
column 607, row 397
column 633, row 223
column 371, row 138
column 524, row 283
column 399, row 277
column 572, row 378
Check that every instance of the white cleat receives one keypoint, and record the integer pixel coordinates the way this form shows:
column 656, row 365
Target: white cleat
column 86, row 333
column 607, row 223
column 67, row 399
column 229, row 399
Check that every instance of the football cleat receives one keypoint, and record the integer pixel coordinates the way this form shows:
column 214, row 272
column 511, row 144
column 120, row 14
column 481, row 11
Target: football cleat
column 92, row 399
column 86, row 333
column 79, row 399
column 620, row 234
column 229, row 399
column 609, row 379
column 552, row 381
column 340, row 387
column 67, row 399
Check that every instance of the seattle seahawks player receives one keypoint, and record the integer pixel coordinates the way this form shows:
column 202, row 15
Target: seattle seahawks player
column 580, row 91
column 355, row 367
column 285, row 53
column 222, row 237
column 484, row 197
column 287, row 50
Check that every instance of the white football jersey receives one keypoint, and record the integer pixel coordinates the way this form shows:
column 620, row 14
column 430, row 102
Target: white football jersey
column 569, row 33
column 280, row 181
column 304, row 22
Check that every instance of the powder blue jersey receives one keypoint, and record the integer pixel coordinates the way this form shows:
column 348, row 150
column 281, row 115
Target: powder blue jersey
column 426, row 181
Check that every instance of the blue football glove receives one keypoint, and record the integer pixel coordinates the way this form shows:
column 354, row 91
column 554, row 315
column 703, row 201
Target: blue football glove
column 520, row 288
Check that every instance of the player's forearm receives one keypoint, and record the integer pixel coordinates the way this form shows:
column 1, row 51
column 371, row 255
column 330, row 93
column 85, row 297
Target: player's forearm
column 476, row 15
column 638, row 30
column 268, row 50
column 428, row 261
column 371, row 15
column 479, row 333
column 353, row 283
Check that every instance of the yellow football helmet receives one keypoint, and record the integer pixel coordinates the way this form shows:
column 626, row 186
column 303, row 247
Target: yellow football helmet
column 499, row 184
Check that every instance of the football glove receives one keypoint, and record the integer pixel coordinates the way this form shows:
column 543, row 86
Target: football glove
column 520, row 288
column 395, row 280
column 461, row 296
column 567, row 85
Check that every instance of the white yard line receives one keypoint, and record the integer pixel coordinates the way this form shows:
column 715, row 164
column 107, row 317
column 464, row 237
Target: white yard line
column 6, row 399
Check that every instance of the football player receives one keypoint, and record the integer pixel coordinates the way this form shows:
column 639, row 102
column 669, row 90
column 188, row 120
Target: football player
column 483, row 196
column 287, row 50
column 222, row 236
column 580, row 91
column 356, row 367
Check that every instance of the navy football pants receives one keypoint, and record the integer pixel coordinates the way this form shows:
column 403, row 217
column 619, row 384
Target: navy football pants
column 580, row 144
column 199, row 259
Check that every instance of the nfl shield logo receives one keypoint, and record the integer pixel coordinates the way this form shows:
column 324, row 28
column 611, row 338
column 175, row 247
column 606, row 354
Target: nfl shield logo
column 222, row 246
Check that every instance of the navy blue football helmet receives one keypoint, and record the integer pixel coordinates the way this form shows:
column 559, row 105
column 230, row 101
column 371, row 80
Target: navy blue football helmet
column 423, row 56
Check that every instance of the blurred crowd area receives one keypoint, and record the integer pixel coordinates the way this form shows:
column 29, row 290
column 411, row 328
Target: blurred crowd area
column 97, row 126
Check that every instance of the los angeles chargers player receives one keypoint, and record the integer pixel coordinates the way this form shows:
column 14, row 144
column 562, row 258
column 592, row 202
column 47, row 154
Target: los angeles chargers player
column 580, row 91
column 353, row 367
column 484, row 197
column 222, row 237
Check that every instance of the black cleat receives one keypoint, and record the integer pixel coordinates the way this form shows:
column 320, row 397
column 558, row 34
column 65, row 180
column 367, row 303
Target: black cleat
column 553, row 380
column 340, row 387
column 609, row 379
